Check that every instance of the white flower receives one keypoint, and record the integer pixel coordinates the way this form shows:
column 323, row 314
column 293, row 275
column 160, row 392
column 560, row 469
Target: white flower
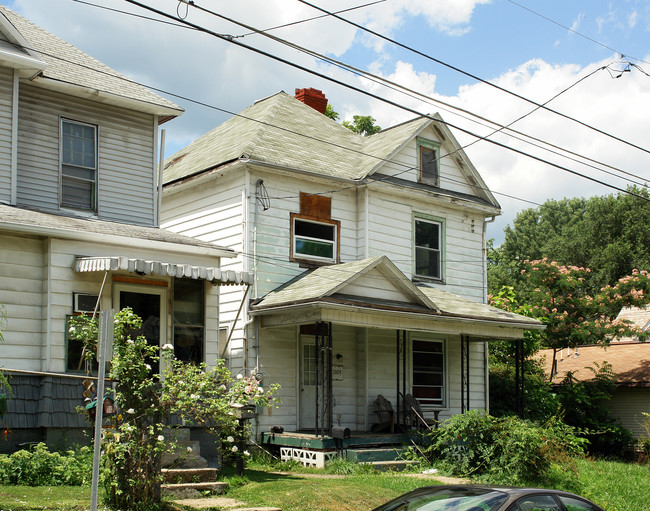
column 239, row 376
column 130, row 341
column 230, row 439
column 71, row 330
column 131, row 411
column 193, row 396
column 246, row 453
column 260, row 390
column 236, row 405
column 234, row 448
column 161, row 438
column 167, row 347
column 189, row 449
column 148, row 367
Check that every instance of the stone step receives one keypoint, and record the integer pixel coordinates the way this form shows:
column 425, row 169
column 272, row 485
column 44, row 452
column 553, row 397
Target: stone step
column 187, row 454
column 366, row 455
column 193, row 490
column 189, row 475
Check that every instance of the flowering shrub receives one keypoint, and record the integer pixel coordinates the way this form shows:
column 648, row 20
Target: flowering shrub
column 134, row 446
column 572, row 316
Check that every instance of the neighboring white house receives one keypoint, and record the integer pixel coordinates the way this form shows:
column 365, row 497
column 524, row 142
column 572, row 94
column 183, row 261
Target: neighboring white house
column 79, row 226
column 368, row 255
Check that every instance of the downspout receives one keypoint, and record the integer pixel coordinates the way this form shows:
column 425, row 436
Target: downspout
column 161, row 168
column 14, row 140
column 486, row 354
column 246, row 265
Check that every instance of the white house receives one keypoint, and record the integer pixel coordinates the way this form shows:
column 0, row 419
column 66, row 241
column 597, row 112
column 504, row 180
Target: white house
column 368, row 256
column 79, row 211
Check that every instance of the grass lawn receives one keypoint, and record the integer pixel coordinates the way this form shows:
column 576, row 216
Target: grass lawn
column 614, row 486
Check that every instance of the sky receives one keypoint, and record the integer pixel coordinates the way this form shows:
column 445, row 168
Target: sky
column 486, row 57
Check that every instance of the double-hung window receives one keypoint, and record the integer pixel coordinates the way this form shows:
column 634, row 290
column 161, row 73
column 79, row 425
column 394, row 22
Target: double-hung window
column 78, row 165
column 314, row 240
column 428, row 162
column 428, row 383
column 428, row 248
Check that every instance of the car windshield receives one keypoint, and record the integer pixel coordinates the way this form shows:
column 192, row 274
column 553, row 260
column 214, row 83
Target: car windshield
column 448, row 499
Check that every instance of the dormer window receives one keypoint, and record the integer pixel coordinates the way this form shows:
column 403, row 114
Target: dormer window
column 78, row 165
column 315, row 237
column 428, row 162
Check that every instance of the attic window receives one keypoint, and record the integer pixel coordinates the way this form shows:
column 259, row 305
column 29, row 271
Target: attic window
column 315, row 237
column 428, row 162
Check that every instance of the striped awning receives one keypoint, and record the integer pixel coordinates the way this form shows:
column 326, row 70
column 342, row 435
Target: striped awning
column 146, row 267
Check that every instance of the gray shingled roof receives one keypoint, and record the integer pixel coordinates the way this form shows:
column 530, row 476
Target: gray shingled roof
column 324, row 283
column 283, row 131
column 20, row 218
column 68, row 65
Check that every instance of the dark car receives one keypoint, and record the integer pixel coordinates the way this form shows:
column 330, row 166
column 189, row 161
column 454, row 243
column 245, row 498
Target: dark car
column 487, row 498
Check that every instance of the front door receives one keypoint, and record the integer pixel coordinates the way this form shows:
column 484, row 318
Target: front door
column 149, row 305
column 307, row 396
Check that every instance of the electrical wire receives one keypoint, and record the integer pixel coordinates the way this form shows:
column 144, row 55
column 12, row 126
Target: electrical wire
column 435, row 101
column 384, row 100
column 474, row 77
column 575, row 32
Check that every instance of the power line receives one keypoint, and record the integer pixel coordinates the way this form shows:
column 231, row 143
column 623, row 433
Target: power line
column 416, row 95
column 575, row 32
column 502, row 89
column 379, row 98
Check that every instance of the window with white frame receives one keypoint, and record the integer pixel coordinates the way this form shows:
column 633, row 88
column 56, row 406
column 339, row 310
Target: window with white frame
column 428, row 161
column 428, row 248
column 78, row 165
column 428, row 380
column 314, row 240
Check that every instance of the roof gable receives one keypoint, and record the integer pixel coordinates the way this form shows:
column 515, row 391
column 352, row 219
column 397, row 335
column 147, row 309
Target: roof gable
column 284, row 132
column 376, row 277
column 66, row 68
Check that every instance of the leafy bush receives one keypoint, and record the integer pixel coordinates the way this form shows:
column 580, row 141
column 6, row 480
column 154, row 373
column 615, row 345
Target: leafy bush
column 506, row 450
column 584, row 404
column 40, row 467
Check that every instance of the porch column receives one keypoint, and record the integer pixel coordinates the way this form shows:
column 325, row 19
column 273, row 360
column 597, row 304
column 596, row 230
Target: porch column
column 464, row 373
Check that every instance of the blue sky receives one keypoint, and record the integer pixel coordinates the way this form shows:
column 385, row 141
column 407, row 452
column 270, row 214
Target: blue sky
column 498, row 40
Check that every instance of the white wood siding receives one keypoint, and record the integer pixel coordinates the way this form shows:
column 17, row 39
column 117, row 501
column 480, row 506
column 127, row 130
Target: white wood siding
column 391, row 234
column 22, row 274
column 214, row 213
column 6, row 106
column 627, row 404
column 451, row 176
column 279, row 364
column 125, row 156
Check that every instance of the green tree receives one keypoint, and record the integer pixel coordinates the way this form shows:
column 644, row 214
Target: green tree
column 329, row 112
column 608, row 234
column 363, row 124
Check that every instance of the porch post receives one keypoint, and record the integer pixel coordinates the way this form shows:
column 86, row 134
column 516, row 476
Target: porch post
column 464, row 373
column 317, row 362
column 397, row 348
column 329, row 378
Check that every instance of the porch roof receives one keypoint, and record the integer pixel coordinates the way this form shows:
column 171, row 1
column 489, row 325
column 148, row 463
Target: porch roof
column 374, row 293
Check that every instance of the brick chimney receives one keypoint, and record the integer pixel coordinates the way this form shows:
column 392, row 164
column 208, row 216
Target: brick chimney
column 313, row 98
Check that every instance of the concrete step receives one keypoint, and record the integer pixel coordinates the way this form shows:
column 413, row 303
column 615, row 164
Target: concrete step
column 393, row 466
column 193, row 490
column 189, row 475
column 368, row 455
column 186, row 455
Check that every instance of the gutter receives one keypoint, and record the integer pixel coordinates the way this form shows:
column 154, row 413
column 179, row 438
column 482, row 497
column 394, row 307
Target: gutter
column 448, row 318
column 94, row 237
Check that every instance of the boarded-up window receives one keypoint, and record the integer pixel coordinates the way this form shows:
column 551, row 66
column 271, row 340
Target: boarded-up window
column 315, row 237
